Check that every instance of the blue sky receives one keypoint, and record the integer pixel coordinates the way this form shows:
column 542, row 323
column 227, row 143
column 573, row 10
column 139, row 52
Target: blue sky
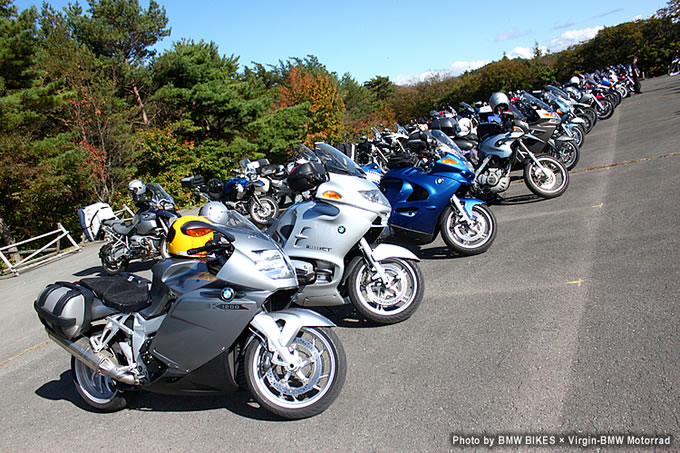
column 404, row 40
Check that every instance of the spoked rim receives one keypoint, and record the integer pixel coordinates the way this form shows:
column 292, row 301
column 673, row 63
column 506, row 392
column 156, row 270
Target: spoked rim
column 98, row 388
column 549, row 182
column 265, row 210
column 313, row 376
column 391, row 298
column 470, row 236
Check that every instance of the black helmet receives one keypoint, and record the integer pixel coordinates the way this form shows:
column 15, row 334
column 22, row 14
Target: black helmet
column 306, row 176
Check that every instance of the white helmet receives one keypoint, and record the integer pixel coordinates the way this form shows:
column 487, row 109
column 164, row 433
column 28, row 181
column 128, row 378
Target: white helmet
column 137, row 188
column 216, row 212
column 499, row 101
column 575, row 81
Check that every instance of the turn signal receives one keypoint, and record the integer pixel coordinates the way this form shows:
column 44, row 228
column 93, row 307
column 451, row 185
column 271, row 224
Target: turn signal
column 449, row 161
column 198, row 232
column 331, row 194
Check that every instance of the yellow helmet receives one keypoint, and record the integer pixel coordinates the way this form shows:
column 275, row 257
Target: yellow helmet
column 179, row 243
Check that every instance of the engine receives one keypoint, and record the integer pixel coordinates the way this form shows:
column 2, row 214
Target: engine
column 493, row 180
column 142, row 245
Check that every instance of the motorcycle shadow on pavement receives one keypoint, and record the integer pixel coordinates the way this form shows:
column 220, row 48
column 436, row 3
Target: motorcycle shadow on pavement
column 240, row 403
column 345, row 316
column 516, row 200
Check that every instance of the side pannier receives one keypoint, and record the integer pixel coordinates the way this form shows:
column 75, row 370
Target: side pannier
column 65, row 308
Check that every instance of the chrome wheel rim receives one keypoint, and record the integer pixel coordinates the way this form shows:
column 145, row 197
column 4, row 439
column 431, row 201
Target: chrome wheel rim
column 470, row 236
column 312, row 378
column 98, row 388
column 388, row 298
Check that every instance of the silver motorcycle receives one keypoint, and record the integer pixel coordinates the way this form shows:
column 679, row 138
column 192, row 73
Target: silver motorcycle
column 144, row 237
column 331, row 240
column 202, row 327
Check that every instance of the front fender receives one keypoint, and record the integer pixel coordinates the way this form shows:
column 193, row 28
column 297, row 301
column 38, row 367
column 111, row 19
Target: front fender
column 384, row 251
column 469, row 203
column 293, row 318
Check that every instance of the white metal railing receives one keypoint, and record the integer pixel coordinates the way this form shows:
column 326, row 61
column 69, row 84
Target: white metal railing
column 36, row 256
column 125, row 209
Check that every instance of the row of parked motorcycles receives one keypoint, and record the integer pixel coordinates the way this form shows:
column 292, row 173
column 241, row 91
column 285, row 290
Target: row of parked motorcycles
column 218, row 314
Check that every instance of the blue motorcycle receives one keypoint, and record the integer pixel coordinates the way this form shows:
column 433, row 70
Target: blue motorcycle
column 428, row 198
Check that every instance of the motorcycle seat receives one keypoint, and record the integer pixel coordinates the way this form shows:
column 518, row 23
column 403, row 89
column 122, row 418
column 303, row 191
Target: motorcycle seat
column 126, row 294
column 118, row 226
column 274, row 171
column 465, row 144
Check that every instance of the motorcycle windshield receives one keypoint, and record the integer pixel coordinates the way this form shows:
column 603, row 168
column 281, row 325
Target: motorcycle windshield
column 337, row 162
column 158, row 193
column 236, row 221
column 531, row 99
column 446, row 143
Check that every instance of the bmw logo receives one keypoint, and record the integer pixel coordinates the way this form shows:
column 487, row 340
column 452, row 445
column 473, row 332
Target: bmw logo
column 439, row 180
column 341, row 229
column 227, row 294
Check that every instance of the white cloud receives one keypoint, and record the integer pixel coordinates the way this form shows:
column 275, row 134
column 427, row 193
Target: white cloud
column 414, row 77
column 525, row 52
column 459, row 67
column 571, row 37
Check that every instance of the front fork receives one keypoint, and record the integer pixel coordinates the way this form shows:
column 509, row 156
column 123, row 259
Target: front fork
column 533, row 158
column 366, row 249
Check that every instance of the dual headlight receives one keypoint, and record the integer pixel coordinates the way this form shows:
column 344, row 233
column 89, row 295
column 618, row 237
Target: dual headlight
column 273, row 264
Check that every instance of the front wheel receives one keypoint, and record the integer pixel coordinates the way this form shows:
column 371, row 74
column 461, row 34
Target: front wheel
column 310, row 387
column 549, row 182
column 110, row 264
column 468, row 239
column 605, row 110
column 265, row 210
column 387, row 302
column 567, row 153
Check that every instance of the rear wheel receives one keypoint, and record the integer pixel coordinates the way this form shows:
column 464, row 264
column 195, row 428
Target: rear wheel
column 98, row 391
column 386, row 302
column 468, row 239
column 550, row 183
column 307, row 389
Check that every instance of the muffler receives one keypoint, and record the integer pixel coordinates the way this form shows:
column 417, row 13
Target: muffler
column 80, row 349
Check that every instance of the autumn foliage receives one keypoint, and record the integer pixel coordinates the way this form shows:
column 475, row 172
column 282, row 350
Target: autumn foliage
column 325, row 104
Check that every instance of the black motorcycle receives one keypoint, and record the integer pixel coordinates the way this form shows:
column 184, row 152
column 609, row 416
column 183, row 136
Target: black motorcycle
column 144, row 237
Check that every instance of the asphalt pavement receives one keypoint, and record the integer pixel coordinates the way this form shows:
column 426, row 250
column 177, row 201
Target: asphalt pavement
column 568, row 325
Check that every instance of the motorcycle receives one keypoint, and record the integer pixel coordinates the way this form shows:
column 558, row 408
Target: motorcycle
column 145, row 237
column 331, row 239
column 502, row 150
column 426, row 201
column 242, row 193
column 546, row 124
column 203, row 326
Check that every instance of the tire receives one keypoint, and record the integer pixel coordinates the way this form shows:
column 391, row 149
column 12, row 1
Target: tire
column 367, row 293
column 267, row 209
column 579, row 134
column 606, row 111
column 550, row 186
column 98, row 391
column 567, row 153
column 283, row 393
column 466, row 240
column 110, row 265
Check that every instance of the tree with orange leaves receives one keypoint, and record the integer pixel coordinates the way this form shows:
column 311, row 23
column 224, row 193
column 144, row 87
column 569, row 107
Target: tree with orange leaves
column 325, row 104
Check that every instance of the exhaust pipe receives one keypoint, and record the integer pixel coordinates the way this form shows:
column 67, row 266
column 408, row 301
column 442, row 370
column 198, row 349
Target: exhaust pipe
column 80, row 349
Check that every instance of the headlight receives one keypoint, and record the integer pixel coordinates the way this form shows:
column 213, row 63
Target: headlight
column 273, row 264
column 375, row 196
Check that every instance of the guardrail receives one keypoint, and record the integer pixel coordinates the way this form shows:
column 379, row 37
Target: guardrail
column 36, row 257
